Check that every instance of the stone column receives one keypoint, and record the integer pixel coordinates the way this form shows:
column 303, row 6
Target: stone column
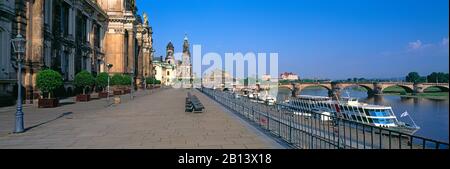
column 131, row 53
column 35, row 38
column 335, row 91
column 418, row 88
column 140, row 64
column 377, row 88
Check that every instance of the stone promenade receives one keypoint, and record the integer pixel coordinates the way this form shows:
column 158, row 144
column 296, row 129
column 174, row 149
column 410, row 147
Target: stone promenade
column 150, row 121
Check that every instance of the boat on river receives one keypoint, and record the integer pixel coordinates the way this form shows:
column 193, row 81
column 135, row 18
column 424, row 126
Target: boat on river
column 350, row 109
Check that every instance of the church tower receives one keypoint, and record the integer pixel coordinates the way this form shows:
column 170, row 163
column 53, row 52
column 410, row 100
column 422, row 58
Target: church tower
column 170, row 59
column 186, row 52
column 185, row 69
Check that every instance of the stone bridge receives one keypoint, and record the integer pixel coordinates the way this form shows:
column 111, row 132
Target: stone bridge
column 334, row 89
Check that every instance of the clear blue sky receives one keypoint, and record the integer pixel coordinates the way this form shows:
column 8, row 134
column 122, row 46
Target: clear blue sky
column 333, row 39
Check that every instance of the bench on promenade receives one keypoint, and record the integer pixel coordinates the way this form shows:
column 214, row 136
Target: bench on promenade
column 193, row 104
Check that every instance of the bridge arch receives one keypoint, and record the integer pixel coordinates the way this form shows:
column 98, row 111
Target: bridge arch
column 301, row 88
column 369, row 89
column 285, row 87
column 406, row 88
column 442, row 88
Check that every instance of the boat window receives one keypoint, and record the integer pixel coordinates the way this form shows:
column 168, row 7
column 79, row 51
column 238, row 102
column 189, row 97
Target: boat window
column 359, row 118
column 370, row 120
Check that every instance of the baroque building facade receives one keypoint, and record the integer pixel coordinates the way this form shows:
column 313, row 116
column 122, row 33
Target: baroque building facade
column 7, row 72
column 69, row 36
column 63, row 35
column 128, row 39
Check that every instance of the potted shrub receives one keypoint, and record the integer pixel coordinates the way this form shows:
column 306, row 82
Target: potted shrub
column 47, row 81
column 116, row 81
column 102, row 82
column 83, row 80
column 153, row 82
column 126, row 82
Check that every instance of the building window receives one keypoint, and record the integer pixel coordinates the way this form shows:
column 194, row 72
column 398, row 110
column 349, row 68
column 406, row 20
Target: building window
column 3, row 53
column 65, row 19
column 97, row 36
column 65, row 65
column 168, row 73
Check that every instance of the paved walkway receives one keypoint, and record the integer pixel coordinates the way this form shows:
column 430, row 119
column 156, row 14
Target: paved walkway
column 150, row 121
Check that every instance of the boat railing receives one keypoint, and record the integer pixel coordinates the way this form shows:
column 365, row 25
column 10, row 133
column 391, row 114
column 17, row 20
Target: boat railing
column 319, row 130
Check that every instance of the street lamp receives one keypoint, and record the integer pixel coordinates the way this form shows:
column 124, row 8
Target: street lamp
column 132, row 83
column 109, row 66
column 145, row 81
column 19, row 48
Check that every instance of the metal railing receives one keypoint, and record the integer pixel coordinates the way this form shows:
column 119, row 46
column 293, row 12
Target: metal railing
column 318, row 131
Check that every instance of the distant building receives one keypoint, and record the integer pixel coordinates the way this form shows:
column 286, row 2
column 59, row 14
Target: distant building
column 171, row 71
column 165, row 70
column 289, row 76
column 266, row 77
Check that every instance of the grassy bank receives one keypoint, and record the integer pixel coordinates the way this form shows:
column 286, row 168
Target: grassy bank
column 430, row 93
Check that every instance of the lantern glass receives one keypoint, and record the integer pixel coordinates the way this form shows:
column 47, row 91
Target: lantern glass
column 19, row 44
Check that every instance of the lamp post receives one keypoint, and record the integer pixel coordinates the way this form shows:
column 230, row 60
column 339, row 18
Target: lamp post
column 154, row 77
column 145, row 82
column 19, row 48
column 132, row 83
column 109, row 66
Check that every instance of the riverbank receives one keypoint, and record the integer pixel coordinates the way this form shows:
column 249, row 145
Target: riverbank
column 430, row 93
column 436, row 96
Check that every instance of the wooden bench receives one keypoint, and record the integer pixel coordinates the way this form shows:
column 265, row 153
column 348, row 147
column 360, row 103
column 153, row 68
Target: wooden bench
column 193, row 104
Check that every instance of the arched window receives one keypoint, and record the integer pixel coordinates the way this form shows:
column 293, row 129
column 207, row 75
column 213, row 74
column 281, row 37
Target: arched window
column 168, row 73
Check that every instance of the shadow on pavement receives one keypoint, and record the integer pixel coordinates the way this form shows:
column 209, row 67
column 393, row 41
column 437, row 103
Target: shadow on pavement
column 60, row 116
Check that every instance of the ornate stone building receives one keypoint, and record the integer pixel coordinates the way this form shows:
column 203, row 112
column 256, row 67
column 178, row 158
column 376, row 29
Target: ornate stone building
column 63, row 35
column 184, row 69
column 69, row 36
column 128, row 39
column 145, row 50
column 7, row 72
column 165, row 70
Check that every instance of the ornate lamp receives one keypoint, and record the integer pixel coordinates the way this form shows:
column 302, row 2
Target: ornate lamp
column 18, row 44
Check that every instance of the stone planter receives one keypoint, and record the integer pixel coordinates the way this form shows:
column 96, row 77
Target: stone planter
column 117, row 99
column 48, row 103
column 117, row 92
column 83, row 98
column 102, row 94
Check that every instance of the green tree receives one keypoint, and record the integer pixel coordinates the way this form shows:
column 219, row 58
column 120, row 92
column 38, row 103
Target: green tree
column 48, row 80
column 116, row 80
column 438, row 77
column 126, row 80
column 413, row 77
column 84, row 79
column 102, row 80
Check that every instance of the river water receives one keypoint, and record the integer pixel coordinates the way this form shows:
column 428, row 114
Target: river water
column 431, row 115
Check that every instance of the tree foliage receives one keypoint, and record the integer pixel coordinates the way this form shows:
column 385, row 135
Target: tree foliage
column 83, row 80
column 151, row 80
column 48, row 80
column 116, row 80
column 102, row 80
column 413, row 77
column 438, row 77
